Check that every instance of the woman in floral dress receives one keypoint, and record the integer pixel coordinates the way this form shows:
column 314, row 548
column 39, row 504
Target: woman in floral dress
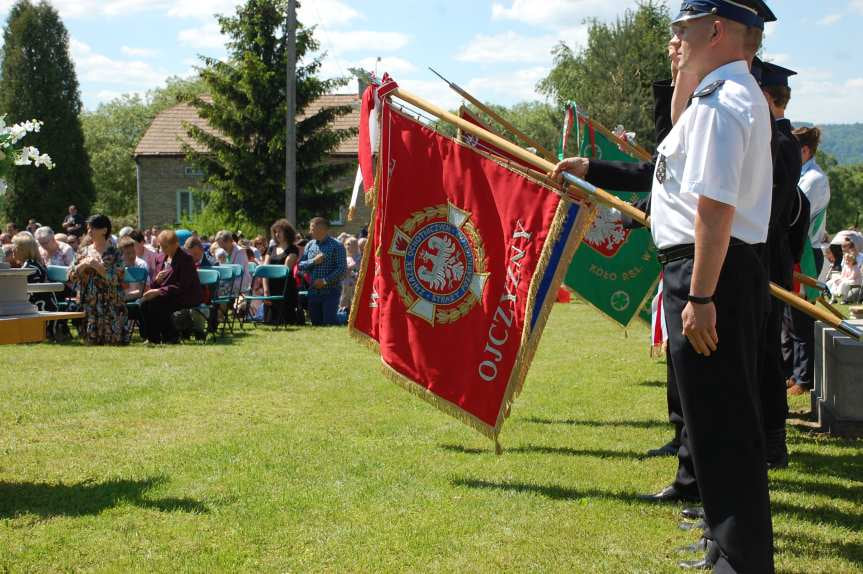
column 98, row 276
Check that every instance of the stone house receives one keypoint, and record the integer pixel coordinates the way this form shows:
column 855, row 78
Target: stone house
column 170, row 188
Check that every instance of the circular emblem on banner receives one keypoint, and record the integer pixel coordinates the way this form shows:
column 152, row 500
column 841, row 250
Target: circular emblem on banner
column 439, row 264
column 620, row 301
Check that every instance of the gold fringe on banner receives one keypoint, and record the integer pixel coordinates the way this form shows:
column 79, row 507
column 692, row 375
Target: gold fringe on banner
column 531, row 336
column 371, row 200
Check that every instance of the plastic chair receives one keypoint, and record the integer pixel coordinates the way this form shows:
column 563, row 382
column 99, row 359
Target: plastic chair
column 59, row 274
column 237, row 292
column 224, row 295
column 134, row 275
column 267, row 272
column 208, row 278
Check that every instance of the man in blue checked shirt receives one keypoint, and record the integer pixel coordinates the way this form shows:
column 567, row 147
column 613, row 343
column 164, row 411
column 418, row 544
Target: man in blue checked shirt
column 326, row 261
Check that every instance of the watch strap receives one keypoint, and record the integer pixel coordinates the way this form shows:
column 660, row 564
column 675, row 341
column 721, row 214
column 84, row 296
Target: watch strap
column 699, row 300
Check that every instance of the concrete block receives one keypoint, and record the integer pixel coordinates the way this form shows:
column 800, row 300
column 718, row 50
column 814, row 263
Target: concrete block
column 841, row 403
column 822, row 333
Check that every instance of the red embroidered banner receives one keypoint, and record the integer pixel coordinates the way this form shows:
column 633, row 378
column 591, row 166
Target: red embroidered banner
column 463, row 263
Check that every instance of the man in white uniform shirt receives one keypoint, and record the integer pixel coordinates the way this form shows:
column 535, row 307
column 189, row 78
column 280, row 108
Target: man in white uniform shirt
column 711, row 202
column 816, row 186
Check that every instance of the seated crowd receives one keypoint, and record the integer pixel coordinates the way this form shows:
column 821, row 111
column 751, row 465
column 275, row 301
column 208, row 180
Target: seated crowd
column 145, row 277
column 844, row 274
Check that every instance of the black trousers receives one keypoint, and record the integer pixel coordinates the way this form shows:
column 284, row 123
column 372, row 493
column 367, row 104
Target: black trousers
column 156, row 323
column 798, row 340
column 672, row 397
column 685, row 480
column 774, row 397
column 720, row 399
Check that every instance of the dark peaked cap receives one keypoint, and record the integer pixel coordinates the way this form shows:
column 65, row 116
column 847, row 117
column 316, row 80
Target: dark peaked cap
column 752, row 13
column 769, row 74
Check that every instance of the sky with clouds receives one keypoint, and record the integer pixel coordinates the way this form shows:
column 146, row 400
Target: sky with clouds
column 496, row 49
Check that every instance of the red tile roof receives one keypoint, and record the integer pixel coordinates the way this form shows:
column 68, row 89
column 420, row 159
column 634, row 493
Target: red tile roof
column 167, row 133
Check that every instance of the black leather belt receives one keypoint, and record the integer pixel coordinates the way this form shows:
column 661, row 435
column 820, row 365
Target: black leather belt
column 686, row 251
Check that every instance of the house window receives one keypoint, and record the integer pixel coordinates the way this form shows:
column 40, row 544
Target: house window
column 341, row 218
column 189, row 204
column 194, row 172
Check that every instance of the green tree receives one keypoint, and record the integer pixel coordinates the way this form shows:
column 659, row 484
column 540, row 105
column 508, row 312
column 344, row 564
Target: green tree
column 112, row 132
column 38, row 81
column 612, row 77
column 245, row 165
column 846, row 197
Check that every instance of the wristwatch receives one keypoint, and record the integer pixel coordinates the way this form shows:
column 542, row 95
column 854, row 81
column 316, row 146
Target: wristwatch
column 699, row 300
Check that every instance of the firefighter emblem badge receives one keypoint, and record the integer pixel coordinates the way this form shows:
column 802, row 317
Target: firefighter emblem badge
column 439, row 264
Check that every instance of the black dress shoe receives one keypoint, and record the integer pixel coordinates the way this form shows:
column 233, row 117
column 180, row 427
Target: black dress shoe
column 700, row 546
column 693, row 513
column 781, row 462
column 711, row 556
column 669, row 449
column 669, row 494
column 777, row 449
column 702, row 564
column 687, row 526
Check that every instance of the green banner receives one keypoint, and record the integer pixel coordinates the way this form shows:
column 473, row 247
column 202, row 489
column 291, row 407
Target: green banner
column 615, row 269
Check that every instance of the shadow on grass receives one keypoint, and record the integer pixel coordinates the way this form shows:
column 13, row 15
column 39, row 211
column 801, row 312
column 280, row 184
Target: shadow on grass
column 819, row 514
column 819, row 488
column 654, row 384
column 555, row 492
column 801, row 546
column 642, row 424
column 85, row 498
column 843, row 466
column 537, row 449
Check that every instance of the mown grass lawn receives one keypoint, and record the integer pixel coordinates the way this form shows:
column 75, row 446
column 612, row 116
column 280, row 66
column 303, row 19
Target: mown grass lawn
column 289, row 452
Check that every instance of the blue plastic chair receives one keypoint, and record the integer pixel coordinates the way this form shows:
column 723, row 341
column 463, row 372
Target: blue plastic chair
column 225, row 295
column 209, row 278
column 238, row 291
column 59, row 274
column 267, row 272
column 134, row 275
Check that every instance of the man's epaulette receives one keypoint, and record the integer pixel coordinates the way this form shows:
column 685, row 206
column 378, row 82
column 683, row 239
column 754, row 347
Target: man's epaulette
column 708, row 89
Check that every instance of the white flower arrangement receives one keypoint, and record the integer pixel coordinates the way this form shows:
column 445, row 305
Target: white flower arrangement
column 10, row 154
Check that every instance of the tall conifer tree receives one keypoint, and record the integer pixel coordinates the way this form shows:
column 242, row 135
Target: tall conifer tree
column 246, row 105
column 38, row 81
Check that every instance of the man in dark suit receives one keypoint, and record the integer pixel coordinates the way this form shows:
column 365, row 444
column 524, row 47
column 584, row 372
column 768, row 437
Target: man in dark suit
column 638, row 177
column 175, row 287
column 782, row 253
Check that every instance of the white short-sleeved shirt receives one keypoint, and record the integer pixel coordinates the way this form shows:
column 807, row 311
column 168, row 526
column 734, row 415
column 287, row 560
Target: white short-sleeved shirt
column 816, row 186
column 64, row 255
column 720, row 149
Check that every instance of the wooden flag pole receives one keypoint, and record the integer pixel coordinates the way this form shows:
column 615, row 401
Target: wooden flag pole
column 542, row 165
column 810, row 282
column 497, row 117
column 632, row 149
column 602, row 196
column 823, row 300
column 816, row 284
